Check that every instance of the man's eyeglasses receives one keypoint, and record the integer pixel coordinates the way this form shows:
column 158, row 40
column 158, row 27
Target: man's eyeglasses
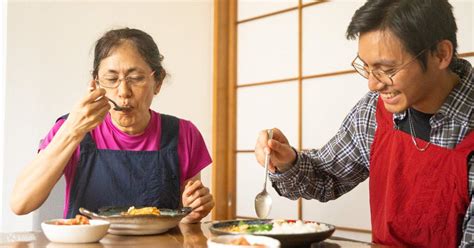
column 112, row 82
column 383, row 76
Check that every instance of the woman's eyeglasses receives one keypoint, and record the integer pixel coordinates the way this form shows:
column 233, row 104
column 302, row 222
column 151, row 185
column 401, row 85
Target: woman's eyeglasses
column 114, row 82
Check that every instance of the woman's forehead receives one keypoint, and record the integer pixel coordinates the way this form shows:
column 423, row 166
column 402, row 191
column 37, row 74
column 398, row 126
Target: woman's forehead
column 123, row 58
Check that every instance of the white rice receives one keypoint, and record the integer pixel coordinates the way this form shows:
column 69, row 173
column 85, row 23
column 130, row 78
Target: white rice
column 283, row 227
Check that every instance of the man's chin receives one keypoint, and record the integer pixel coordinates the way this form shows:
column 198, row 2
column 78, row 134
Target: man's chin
column 395, row 108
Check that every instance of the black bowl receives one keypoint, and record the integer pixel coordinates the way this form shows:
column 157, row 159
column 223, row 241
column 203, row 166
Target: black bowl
column 286, row 240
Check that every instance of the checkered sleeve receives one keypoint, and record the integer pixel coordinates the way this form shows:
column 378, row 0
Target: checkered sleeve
column 340, row 165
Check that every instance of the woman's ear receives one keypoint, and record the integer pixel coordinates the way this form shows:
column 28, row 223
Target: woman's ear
column 159, row 80
column 444, row 54
column 157, row 88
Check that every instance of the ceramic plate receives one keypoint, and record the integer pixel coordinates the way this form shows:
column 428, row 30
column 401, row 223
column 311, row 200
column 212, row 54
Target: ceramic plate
column 138, row 224
column 299, row 239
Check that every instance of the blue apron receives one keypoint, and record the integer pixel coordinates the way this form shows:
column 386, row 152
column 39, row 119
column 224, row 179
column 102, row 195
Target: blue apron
column 114, row 178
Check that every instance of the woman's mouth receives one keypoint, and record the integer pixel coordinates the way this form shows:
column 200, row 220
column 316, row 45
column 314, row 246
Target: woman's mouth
column 123, row 108
column 126, row 108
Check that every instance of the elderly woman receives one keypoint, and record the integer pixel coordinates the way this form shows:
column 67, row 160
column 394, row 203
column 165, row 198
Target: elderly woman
column 128, row 155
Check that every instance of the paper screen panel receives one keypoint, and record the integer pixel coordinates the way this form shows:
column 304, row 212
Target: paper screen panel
column 268, row 49
column 252, row 8
column 266, row 106
column 463, row 12
column 326, row 102
column 325, row 46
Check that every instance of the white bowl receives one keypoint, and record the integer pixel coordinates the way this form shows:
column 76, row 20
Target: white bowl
column 224, row 241
column 93, row 232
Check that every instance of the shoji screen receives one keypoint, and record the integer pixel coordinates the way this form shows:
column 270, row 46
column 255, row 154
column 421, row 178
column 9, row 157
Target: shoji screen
column 267, row 51
column 293, row 72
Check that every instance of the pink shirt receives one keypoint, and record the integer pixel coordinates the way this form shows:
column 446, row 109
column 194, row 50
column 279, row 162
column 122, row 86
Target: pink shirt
column 192, row 152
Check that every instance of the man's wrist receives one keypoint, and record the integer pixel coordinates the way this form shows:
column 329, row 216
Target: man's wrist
column 288, row 166
column 296, row 157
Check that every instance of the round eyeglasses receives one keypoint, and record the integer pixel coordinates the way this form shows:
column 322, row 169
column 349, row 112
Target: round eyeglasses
column 383, row 76
column 112, row 82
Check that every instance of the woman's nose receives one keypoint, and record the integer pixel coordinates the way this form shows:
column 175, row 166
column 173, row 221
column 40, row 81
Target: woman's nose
column 124, row 89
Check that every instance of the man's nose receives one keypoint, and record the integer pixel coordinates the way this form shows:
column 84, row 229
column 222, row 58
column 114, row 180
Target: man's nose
column 374, row 83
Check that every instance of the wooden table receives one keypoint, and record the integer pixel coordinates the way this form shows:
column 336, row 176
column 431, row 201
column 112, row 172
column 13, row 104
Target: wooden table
column 186, row 235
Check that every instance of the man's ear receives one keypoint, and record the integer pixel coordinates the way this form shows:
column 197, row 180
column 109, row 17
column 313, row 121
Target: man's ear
column 444, row 54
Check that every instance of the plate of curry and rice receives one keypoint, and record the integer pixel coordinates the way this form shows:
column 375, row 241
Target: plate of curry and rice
column 288, row 232
column 138, row 220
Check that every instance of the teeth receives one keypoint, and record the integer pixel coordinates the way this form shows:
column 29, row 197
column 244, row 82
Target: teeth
column 389, row 95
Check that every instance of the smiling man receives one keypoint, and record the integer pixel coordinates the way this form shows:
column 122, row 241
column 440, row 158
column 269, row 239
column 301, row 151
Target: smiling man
column 411, row 134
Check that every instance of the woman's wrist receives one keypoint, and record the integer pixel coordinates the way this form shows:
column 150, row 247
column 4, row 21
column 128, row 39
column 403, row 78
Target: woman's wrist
column 71, row 132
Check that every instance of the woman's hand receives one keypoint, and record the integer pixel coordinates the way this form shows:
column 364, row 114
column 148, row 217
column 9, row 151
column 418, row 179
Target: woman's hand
column 282, row 155
column 199, row 198
column 38, row 178
column 89, row 112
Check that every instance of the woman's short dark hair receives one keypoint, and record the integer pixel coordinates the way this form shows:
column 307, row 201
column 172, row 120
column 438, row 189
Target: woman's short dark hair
column 419, row 24
column 144, row 43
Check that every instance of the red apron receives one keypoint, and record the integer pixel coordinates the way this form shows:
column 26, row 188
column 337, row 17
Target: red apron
column 417, row 199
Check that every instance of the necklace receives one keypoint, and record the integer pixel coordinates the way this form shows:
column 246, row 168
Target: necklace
column 413, row 135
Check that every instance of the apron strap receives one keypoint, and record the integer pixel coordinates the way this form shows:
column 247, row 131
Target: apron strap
column 63, row 117
column 384, row 117
column 169, row 132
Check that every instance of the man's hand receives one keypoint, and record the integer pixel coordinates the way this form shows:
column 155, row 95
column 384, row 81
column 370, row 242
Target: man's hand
column 282, row 155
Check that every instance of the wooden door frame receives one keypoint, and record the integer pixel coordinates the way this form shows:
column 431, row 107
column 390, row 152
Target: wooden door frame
column 224, row 109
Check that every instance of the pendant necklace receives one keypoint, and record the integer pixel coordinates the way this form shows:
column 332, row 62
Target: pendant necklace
column 413, row 134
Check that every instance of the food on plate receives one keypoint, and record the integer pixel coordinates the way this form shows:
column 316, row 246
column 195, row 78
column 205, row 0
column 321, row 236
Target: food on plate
column 243, row 227
column 244, row 241
column 143, row 211
column 79, row 220
column 278, row 227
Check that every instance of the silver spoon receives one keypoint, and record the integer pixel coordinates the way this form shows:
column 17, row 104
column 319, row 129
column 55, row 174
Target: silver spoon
column 116, row 106
column 263, row 201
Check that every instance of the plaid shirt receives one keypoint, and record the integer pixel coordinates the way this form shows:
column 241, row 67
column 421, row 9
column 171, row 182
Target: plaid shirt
column 343, row 163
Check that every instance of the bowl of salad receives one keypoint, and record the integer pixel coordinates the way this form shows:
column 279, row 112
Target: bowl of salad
column 76, row 230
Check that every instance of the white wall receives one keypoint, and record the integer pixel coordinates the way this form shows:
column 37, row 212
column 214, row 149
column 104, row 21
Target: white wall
column 49, row 57
column 3, row 59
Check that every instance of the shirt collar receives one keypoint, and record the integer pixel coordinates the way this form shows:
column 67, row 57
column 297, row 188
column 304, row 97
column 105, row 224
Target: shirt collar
column 459, row 103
